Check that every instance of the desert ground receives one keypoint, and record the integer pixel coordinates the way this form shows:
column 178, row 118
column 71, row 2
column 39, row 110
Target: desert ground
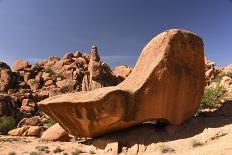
column 208, row 133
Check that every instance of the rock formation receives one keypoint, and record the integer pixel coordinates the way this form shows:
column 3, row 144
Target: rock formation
column 122, row 72
column 211, row 71
column 166, row 83
column 98, row 74
column 6, row 77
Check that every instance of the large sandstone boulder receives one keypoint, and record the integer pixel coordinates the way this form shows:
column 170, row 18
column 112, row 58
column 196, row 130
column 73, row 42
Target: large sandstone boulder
column 167, row 83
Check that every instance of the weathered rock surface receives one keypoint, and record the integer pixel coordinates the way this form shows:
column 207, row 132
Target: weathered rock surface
column 122, row 72
column 6, row 77
column 98, row 74
column 20, row 65
column 26, row 131
column 211, row 70
column 166, row 83
column 56, row 133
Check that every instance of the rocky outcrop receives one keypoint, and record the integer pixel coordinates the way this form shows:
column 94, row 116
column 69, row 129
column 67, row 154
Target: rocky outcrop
column 8, row 105
column 122, row 72
column 166, row 83
column 98, row 74
column 20, row 65
column 6, row 77
column 211, row 70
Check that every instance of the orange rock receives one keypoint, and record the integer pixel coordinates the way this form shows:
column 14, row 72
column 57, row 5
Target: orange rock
column 56, row 133
column 167, row 82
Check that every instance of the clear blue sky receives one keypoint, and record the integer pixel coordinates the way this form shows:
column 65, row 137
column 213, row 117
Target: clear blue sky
column 37, row 29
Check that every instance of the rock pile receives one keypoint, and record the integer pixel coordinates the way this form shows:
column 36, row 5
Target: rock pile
column 211, row 70
column 22, row 88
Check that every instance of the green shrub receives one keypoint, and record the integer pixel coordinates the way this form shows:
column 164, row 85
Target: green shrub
column 43, row 148
column 51, row 122
column 37, row 66
column 166, row 149
column 33, row 153
column 7, row 123
column 196, row 143
column 211, row 97
column 49, row 70
column 220, row 76
column 58, row 150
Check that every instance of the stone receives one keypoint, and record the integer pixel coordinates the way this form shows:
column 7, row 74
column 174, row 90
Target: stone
column 226, row 82
column 53, row 58
column 122, row 72
column 67, row 85
column 210, row 71
column 33, row 121
column 33, row 131
column 77, row 54
column 18, row 131
column 54, row 92
column 227, row 69
column 68, row 56
column 3, row 65
column 6, row 80
column 56, row 133
column 6, row 105
column 167, row 82
column 27, row 76
column 20, row 65
column 34, row 84
column 98, row 74
column 48, row 83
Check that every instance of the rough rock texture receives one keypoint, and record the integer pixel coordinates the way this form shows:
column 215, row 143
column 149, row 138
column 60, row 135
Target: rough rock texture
column 166, row 83
column 8, row 106
column 55, row 133
column 26, row 131
column 6, row 77
column 122, row 72
column 98, row 74
column 211, row 71
column 20, row 65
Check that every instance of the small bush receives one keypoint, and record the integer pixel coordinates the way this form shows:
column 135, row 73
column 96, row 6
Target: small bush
column 211, row 97
column 75, row 153
column 37, row 66
column 33, row 153
column 7, row 123
column 43, row 148
column 166, row 149
column 49, row 70
column 58, row 150
column 196, row 143
column 12, row 153
column 51, row 122
column 220, row 76
column 59, row 75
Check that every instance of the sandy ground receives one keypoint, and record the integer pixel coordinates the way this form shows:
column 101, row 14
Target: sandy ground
column 206, row 134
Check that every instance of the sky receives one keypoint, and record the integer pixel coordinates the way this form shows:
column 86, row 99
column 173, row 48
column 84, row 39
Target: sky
column 37, row 29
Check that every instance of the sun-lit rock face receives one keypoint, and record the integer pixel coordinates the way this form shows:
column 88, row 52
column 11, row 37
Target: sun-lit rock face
column 166, row 83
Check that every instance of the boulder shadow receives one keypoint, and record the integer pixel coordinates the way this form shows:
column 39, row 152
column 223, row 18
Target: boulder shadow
column 147, row 134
